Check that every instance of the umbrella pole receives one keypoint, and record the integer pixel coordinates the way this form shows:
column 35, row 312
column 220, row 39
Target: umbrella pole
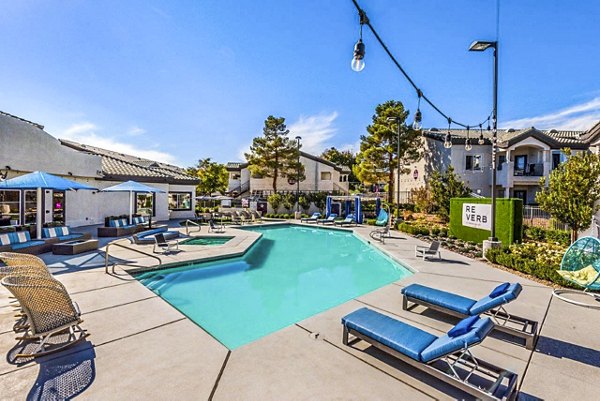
column 130, row 207
column 38, row 217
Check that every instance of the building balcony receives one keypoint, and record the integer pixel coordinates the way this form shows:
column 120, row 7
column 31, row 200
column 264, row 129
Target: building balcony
column 530, row 170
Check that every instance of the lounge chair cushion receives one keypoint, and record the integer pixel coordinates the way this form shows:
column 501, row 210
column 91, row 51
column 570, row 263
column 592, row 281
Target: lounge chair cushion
column 446, row 345
column 53, row 232
column 397, row 335
column 463, row 326
column 70, row 237
column 501, row 289
column 441, row 298
column 488, row 303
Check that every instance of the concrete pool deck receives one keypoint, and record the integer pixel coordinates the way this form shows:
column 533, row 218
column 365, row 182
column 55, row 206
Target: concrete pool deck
column 141, row 348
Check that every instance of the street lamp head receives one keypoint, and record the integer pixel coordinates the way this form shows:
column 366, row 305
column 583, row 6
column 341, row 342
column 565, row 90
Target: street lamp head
column 481, row 45
column 298, row 138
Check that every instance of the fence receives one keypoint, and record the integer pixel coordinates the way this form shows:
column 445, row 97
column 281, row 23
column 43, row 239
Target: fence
column 533, row 216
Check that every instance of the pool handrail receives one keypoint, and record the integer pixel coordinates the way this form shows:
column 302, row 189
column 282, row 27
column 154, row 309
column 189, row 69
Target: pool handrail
column 118, row 244
column 187, row 229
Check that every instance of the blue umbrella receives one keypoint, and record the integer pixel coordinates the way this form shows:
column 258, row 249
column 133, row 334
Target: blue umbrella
column 39, row 180
column 131, row 187
column 328, row 207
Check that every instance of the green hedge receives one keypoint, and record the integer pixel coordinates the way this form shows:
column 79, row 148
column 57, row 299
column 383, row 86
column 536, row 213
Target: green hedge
column 544, row 271
column 509, row 220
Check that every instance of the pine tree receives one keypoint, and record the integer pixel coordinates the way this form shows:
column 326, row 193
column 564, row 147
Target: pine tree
column 378, row 158
column 443, row 187
column 274, row 155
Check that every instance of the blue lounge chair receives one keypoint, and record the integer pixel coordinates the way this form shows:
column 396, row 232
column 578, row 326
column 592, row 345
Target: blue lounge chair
column 347, row 221
column 447, row 358
column 491, row 305
column 330, row 219
column 312, row 219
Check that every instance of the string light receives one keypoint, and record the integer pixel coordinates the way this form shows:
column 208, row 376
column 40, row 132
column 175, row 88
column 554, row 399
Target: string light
column 481, row 141
column 468, row 145
column 448, row 139
column 418, row 116
column 358, row 65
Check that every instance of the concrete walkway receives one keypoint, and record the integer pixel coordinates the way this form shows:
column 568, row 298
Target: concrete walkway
column 141, row 348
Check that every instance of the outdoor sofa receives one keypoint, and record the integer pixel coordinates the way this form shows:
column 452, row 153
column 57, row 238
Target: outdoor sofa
column 21, row 242
column 121, row 227
column 148, row 236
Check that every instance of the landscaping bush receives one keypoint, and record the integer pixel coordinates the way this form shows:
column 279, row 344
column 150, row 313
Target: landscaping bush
column 544, row 235
column 539, row 260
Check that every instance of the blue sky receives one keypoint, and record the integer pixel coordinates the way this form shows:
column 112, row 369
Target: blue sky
column 179, row 81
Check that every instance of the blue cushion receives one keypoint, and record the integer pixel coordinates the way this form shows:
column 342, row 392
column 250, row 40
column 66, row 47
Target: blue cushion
column 501, row 289
column 399, row 336
column 488, row 303
column 440, row 298
column 27, row 244
column 463, row 326
column 447, row 345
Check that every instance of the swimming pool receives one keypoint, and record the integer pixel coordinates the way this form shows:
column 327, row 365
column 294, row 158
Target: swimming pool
column 206, row 241
column 290, row 274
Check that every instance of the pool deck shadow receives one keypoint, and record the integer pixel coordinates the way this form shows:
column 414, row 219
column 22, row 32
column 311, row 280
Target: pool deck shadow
column 141, row 348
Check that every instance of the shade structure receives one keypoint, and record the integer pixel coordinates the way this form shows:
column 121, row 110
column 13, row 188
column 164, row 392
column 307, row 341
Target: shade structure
column 39, row 181
column 42, row 180
column 131, row 187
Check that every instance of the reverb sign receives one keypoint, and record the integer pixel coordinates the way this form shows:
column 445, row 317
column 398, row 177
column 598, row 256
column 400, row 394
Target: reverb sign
column 477, row 215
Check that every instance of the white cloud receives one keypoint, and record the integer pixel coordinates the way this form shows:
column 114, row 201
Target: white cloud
column 316, row 131
column 88, row 134
column 578, row 117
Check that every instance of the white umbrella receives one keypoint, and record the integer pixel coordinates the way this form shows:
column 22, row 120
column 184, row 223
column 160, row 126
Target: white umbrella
column 131, row 187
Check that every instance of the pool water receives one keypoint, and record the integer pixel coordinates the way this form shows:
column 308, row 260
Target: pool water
column 206, row 241
column 290, row 274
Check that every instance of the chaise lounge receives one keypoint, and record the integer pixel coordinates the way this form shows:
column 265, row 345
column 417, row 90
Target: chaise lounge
column 491, row 305
column 447, row 358
column 312, row 219
column 329, row 220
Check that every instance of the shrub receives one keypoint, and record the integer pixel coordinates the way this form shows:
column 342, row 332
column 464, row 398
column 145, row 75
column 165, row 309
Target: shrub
column 275, row 200
column 370, row 222
column 551, row 236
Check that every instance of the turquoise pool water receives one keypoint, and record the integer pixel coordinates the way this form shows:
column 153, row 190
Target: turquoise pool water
column 290, row 274
column 206, row 241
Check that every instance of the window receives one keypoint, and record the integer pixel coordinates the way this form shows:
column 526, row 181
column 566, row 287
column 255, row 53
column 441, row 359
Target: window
column 558, row 157
column 501, row 161
column 144, row 204
column 30, row 206
column 520, row 164
column 473, row 162
column 326, row 176
column 10, row 210
column 180, row 201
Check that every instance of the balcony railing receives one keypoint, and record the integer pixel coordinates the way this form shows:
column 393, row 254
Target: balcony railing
column 531, row 170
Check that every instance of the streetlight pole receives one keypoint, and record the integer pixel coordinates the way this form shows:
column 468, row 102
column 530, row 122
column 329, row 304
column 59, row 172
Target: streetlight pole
column 298, row 138
column 479, row 46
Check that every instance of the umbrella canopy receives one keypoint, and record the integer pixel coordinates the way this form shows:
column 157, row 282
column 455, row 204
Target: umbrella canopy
column 40, row 179
column 131, row 187
column 205, row 197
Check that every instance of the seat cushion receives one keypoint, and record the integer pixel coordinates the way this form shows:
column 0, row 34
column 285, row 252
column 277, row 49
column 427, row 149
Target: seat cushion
column 440, row 298
column 70, row 237
column 27, row 244
column 488, row 303
column 397, row 335
column 447, row 345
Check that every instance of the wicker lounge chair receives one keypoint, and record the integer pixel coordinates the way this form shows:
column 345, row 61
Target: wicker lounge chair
column 50, row 313
column 491, row 305
column 448, row 357
column 20, row 259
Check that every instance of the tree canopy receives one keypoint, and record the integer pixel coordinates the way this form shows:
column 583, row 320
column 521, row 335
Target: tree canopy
column 443, row 187
column 212, row 176
column 273, row 154
column 378, row 158
column 341, row 158
column 572, row 191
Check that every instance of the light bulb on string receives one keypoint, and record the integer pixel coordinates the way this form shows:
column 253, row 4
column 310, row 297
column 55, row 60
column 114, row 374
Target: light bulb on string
column 358, row 62
column 481, row 141
column 468, row 145
column 418, row 116
column 448, row 139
